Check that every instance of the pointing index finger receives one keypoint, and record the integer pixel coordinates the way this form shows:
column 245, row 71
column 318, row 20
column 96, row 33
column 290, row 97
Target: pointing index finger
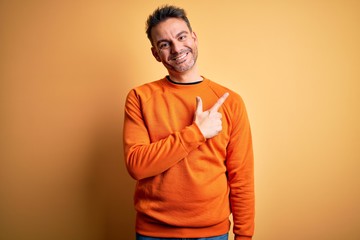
column 219, row 102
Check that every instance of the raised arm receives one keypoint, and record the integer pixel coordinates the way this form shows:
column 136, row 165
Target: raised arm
column 145, row 158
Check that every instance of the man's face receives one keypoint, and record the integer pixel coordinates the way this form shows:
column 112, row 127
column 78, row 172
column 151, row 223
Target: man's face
column 174, row 45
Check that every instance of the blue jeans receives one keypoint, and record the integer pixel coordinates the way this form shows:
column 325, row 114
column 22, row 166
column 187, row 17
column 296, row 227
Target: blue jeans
column 222, row 237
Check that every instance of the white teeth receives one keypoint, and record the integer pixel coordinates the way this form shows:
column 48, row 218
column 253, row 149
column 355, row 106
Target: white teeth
column 181, row 57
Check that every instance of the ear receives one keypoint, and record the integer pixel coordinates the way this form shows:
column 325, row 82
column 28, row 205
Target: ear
column 194, row 36
column 155, row 54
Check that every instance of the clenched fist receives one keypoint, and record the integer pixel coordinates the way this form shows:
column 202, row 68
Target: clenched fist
column 209, row 122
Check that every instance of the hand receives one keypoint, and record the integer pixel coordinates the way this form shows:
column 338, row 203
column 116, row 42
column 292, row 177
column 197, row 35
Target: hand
column 209, row 122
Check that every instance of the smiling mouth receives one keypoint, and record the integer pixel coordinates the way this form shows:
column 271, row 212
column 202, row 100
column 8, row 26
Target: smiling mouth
column 180, row 58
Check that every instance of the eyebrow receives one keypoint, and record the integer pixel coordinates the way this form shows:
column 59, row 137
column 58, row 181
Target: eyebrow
column 177, row 35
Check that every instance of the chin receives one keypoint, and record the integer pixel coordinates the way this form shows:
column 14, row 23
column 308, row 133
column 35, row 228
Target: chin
column 185, row 67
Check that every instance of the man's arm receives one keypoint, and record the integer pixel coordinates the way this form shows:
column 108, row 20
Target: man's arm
column 145, row 158
column 240, row 168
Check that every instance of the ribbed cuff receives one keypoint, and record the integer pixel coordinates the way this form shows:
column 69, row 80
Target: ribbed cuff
column 192, row 137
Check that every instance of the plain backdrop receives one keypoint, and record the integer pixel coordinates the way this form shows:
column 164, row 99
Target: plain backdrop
column 65, row 70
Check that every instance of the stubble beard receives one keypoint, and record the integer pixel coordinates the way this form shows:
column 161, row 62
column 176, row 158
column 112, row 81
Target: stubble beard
column 183, row 67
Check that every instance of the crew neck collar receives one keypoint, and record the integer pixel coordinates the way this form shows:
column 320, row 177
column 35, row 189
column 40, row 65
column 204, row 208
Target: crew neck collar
column 179, row 83
column 167, row 81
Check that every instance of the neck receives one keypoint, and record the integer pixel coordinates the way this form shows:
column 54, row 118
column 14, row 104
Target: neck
column 186, row 77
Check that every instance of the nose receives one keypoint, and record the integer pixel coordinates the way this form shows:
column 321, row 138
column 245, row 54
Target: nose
column 176, row 47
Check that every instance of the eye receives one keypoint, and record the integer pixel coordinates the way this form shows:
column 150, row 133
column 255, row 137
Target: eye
column 164, row 45
column 182, row 37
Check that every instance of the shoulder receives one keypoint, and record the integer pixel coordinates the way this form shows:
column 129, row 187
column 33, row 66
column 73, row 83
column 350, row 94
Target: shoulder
column 234, row 107
column 219, row 90
column 145, row 91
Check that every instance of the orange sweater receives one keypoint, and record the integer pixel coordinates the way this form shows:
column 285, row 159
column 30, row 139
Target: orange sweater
column 187, row 186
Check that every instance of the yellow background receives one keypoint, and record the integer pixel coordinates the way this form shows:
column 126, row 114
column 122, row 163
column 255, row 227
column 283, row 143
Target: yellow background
column 66, row 67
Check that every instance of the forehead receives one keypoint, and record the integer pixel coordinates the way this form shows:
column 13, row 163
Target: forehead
column 168, row 28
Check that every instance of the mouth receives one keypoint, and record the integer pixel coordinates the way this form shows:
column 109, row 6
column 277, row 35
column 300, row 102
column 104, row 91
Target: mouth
column 180, row 58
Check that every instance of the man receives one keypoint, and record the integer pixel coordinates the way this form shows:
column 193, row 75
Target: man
column 193, row 166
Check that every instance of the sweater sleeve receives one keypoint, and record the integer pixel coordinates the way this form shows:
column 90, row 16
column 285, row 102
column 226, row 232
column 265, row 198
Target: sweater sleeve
column 240, row 168
column 145, row 158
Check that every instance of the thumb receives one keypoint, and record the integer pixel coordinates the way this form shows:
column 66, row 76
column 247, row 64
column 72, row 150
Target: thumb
column 199, row 105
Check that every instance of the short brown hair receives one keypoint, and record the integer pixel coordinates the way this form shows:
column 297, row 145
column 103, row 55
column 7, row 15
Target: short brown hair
column 163, row 13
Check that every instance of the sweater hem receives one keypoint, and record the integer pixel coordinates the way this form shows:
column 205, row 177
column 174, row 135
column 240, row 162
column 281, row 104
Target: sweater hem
column 152, row 229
